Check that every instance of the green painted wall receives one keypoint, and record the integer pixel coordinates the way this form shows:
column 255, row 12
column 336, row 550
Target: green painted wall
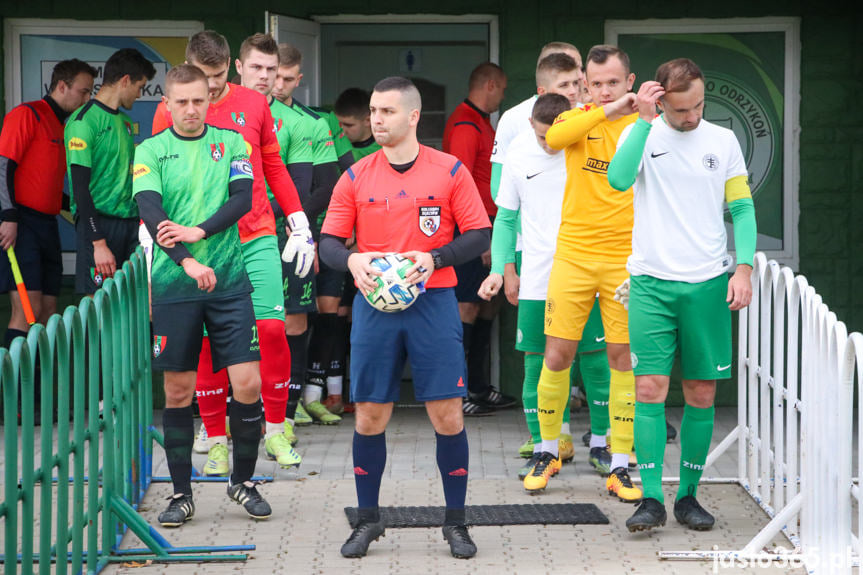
column 831, row 122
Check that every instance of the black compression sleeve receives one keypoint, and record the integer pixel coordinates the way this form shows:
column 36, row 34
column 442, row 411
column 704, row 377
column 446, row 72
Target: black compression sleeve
column 333, row 252
column 8, row 211
column 238, row 204
column 467, row 246
column 84, row 202
column 153, row 213
column 301, row 174
column 324, row 179
column 346, row 160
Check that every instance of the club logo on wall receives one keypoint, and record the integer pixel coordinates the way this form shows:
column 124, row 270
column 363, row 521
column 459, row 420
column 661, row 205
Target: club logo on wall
column 733, row 105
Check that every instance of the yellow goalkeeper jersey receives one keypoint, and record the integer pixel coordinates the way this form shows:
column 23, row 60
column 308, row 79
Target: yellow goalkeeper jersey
column 596, row 220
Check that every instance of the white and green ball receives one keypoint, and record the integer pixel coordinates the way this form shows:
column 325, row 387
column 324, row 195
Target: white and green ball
column 393, row 293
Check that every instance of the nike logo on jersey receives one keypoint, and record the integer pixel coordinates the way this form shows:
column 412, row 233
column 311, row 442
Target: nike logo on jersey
column 529, row 176
column 722, row 367
column 600, row 339
column 655, row 155
column 591, row 138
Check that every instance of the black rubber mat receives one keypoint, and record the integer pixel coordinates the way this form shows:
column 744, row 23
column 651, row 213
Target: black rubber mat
column 548, row 514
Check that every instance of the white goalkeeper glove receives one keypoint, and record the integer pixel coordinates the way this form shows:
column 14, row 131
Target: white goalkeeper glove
column 621, row 294
column 300, row 244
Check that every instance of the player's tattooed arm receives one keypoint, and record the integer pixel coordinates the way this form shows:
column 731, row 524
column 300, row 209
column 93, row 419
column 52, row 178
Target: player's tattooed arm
column 153, row 213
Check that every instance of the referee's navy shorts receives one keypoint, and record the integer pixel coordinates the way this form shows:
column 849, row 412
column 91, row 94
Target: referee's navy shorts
column 428, row 334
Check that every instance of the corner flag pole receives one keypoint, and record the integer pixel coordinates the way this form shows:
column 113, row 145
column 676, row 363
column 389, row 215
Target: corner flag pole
column 22, row 289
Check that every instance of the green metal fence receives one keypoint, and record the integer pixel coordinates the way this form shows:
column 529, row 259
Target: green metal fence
column 95, row 378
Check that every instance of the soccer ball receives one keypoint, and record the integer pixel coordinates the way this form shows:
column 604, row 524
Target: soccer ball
column 393, row 293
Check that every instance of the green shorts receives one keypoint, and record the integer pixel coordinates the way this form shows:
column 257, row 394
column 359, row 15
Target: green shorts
column 665, row 316
column 298, row 293
column 530, row 334
column 263, row 265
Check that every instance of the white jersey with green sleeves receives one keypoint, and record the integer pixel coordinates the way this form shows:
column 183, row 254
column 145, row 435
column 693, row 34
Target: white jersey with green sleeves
column 192, row 176
column 533, row 183
column 679, row 232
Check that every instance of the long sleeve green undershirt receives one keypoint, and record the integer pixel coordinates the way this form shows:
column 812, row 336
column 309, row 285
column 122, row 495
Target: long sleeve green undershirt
column 503, row 239
column 745, row 229
column 623, row 168
column 496, row 171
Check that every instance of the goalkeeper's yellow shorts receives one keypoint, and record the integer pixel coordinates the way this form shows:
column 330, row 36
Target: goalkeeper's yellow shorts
column 572, row 289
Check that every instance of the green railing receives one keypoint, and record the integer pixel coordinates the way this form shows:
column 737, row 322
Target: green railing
column 94, row 360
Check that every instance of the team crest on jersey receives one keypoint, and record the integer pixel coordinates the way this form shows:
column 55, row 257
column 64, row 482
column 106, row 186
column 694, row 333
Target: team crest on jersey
column 217, row 151
column 239, row 119
column 711, row 162
column 128, row 127
column 429, row 219
column 277, row 125
column 159, row 343
column 96, row 277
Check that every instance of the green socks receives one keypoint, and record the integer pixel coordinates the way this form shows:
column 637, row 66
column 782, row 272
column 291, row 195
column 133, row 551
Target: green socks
column 596, row 376
column 650, row 438
column 695, row 433
column 532, row 369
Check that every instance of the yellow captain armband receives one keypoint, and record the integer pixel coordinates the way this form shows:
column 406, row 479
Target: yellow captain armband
column 737, row 188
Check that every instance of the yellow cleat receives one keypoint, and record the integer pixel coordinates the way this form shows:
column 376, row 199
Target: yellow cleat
column 565, row 448
column 620, row 485
column 546, row 467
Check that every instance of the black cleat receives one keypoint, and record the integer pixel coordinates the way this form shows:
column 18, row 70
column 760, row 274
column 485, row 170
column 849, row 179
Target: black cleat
column 180, row 509
column 475, row 408
column 361, row 537
column 651, row 513
column 670, row 432
column 496, row 400
column 690, row 513
column 585, row 439
column 246, row 494
column 460, row 544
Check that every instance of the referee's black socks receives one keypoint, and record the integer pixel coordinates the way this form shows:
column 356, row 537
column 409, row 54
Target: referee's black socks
column 179, row 429
column 245, row 421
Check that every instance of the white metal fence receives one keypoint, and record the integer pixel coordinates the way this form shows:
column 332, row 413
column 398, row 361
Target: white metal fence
column 797, row 368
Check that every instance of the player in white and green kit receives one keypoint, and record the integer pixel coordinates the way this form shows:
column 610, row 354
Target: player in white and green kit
column 685, row 170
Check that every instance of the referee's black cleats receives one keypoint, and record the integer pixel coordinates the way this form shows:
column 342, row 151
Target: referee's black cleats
column 650, row 514
column 460, row 544
column 246, row 494
column 180, row 509
column 690, row 513
column 361, row 537
column 496, row 400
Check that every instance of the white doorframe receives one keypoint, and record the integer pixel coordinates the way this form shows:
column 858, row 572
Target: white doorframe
column 490, row 19
column 14, row 28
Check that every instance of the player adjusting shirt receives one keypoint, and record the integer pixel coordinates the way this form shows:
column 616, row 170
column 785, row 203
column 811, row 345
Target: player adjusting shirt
column 32, row 137
column 596, row 222
column 679, row 190
column 100, row 139
column 468, row 135
column 416, row 210
column 248, row 113
column 533, row 183
column 198, row 171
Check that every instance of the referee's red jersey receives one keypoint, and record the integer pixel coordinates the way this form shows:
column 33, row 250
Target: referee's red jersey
column 468, row 136
column 416, row 210
column 32, row 137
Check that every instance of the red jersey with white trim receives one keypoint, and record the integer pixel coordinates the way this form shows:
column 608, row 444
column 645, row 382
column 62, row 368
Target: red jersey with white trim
column 32, row 137
column 468, row 136
column 247, row 112
column 416, row 210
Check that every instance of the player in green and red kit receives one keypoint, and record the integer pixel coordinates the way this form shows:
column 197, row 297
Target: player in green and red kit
column 99, row 150
column 328, row 331
column 32, row 170
column 246, row 111
column 192, row 183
